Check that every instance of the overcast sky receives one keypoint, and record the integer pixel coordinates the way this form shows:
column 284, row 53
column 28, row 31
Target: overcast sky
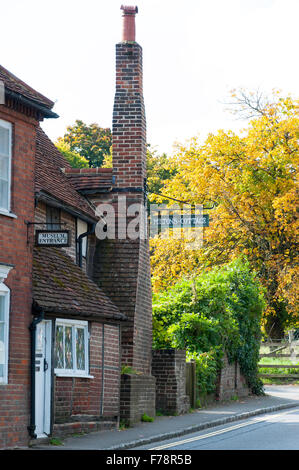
column 195, row 52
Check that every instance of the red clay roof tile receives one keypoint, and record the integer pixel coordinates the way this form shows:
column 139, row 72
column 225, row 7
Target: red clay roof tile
column 51, row 179
column 61, row 287
column 13, row 83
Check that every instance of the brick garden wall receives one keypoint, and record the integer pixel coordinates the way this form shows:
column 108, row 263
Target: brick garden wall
column 169, row 369
column 137, row 397
column 15, row 397
column 231, row 382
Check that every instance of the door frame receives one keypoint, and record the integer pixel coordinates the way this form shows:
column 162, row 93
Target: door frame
column 43, row 381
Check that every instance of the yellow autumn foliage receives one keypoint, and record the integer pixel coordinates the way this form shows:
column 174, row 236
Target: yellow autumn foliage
column 252, row 180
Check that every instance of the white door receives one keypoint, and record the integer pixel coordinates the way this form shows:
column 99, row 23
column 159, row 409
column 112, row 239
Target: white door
column 43, row 378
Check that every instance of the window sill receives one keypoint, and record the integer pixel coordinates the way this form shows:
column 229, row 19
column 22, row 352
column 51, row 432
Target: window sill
column 8, row 214
column 73, row 374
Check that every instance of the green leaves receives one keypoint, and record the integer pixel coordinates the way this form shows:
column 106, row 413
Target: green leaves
column 74, row 158
column 223, row 315
column 91, row 142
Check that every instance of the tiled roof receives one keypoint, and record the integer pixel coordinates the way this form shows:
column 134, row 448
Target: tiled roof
column 90, row 178
column 61, row 287
column 49, row 177
column 16, row 85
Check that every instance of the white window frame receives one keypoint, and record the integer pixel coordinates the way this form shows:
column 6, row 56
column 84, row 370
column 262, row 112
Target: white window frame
column 74, row 372
column 5, row 292
column 7, row 125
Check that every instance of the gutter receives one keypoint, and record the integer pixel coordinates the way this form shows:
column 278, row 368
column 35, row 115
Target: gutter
column 38, row 317
column 52, row 201
column 32, row 104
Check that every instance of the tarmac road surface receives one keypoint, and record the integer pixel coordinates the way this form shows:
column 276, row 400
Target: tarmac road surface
column 274, row 431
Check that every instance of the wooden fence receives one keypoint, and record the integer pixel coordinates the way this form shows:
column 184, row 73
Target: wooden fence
column 275, row 348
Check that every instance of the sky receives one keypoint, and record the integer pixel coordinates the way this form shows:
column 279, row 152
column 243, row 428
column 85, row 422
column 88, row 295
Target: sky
column 194, row 52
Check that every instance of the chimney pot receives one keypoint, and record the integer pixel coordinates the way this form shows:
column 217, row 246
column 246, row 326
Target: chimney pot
column 128, row 32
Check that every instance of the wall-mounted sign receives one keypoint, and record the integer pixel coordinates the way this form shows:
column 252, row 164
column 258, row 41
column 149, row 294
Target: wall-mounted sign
column 53, row 238
column 180, row 221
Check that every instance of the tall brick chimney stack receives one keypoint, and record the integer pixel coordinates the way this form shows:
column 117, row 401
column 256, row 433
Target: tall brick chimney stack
column 122, row 264
column 129, row 125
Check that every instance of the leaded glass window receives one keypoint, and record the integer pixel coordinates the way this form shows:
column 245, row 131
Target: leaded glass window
column 59, row 355
column 71, row 347
column 80, row 345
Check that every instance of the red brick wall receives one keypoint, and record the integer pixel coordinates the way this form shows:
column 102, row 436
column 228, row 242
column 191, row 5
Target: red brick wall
column 231, row 383
column 74, row 397
column 169, row 369
column 138, row 397
column 122, row 270
column 15, row 397
column 112, row 371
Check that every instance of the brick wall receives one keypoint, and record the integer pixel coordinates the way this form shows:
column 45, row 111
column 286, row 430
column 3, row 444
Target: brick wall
column 231, row 383
column 89, row 404
column 169, row 369
column 15, row 397
column 137, row 397
column 122, row 270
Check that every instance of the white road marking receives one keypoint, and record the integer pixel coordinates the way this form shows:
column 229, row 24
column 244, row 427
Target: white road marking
column 221, row 431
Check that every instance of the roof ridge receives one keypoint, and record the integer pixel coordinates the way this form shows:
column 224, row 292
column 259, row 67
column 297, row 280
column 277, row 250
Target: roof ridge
column 33, row 94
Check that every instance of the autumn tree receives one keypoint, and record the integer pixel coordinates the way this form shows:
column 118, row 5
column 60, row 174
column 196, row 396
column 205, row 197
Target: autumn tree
column 160, row 169
column 252, row 181
column 74, row 158
column 91, row 142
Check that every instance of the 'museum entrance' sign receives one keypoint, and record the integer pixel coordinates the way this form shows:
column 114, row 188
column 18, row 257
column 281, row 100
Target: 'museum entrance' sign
column 52, row 238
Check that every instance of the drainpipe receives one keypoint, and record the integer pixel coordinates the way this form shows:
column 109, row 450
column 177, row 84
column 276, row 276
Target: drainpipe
column 38, row 317
column 103, row 370
column 79, row 241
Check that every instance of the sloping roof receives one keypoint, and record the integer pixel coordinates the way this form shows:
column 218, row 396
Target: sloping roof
column 90, row 178
column 50, row 179
column 16, row 85
column 61, row 287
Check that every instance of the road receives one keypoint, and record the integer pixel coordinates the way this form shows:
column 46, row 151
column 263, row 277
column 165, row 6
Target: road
column 274, row 431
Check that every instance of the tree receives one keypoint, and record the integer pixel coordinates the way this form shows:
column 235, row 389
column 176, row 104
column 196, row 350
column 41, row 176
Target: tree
column 171, row 260
column 252, row 180
column 160, row 169
column 218, row 311
column 74, row 158
column 89, row 141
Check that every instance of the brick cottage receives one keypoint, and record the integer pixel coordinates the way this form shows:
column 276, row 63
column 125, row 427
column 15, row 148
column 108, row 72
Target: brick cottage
column 71, row 315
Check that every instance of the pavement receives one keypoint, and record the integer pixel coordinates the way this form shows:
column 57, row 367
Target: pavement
column 167, row 427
